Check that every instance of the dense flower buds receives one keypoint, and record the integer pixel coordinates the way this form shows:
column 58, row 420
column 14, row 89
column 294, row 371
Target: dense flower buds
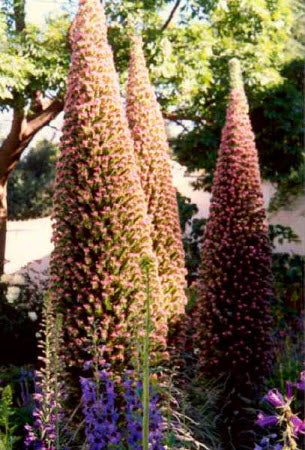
column 101, row 232
column 232, row 317
column 152, row 152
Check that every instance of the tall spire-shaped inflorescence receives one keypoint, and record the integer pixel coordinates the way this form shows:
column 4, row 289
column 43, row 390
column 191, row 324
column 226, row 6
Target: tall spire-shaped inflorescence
column 233, row 320
column 152, row 152
column 102, row 231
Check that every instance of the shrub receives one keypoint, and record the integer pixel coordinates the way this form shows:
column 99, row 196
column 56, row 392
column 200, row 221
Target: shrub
column 20, row 313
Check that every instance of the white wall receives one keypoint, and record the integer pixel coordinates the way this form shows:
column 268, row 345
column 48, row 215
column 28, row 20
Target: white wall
column 30, row 241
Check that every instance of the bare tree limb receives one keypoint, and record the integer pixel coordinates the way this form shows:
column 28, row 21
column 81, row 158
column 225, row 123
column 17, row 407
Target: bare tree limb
column 21, row 133
column 179, row 116
column 171, row 15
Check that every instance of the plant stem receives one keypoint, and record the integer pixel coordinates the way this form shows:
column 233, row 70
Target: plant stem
column 145, row 435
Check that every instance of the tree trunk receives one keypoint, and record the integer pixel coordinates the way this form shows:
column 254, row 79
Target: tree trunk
column 3, row 219
column 22, row 131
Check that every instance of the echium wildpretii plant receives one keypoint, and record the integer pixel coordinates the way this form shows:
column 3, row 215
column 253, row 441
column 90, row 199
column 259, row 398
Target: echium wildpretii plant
column 232, row 319
column 102, row 230
column 288, row 424
column 49, row 392
column 152, row 152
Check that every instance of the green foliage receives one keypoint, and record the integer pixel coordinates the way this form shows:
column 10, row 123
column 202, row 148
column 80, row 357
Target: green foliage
column 288, row 363
column 278, row 125
column 276, row 117
column 31, row 59
column 193, row 413
column 30, row 186
column 186, row 210
column 192, row 242
column 193, row 235
column 288, row 273
column 7, row 438
column 282, row 233
column 289, row 189
column 21, row 382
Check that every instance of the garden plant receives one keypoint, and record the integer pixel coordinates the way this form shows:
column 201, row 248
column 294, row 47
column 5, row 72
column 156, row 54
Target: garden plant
column 153, row 328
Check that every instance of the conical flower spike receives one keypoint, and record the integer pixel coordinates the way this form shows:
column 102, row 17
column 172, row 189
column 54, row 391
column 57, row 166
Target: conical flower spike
column 152, row 152
column 232, row 316
column 101, row 231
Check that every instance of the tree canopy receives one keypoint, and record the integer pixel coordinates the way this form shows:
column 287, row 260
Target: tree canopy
column 32, row 58
column 187, row 46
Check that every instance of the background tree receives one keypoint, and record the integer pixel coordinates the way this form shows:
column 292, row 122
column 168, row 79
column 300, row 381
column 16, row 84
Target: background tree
column 33, row 65
column 31, row 185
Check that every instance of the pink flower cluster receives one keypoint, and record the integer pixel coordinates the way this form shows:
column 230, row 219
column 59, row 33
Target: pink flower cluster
column 101, row 230
column 152, row 152
column 232, row 323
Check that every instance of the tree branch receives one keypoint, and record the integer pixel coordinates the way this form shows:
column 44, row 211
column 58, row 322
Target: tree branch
column 21, row 133
column 43, row 118
column 19, row 14
column 178, row 116
column 171, row 15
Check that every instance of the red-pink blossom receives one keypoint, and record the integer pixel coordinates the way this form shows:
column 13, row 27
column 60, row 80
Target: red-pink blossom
column 153, row 156
column 101, row 231
column 234, row 286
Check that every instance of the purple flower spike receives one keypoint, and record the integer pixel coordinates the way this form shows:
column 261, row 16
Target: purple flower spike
column 266, row 421
column 298, row 425
column 301, row 384
column 289, row 393
column 278, row 447
column 275, row 398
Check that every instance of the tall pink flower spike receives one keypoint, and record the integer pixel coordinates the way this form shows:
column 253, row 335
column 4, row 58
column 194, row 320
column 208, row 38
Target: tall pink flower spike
column 232, row 318
column 101, row 230
column 152, row 152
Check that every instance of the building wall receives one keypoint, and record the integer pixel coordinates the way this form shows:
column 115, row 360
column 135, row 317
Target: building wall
column 29, row 242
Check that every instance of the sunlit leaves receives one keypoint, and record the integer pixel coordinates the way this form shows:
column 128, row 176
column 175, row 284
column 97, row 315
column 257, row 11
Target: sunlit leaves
column 34, row 59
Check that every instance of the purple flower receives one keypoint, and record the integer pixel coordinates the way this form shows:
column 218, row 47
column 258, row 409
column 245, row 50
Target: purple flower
column 275, row 398
column 30, row 437
column 298, row 425
column 87, row 365
column 266, row 421
column 101, row 415
column 301, row 384
column 102, row 418
column 289, row 393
